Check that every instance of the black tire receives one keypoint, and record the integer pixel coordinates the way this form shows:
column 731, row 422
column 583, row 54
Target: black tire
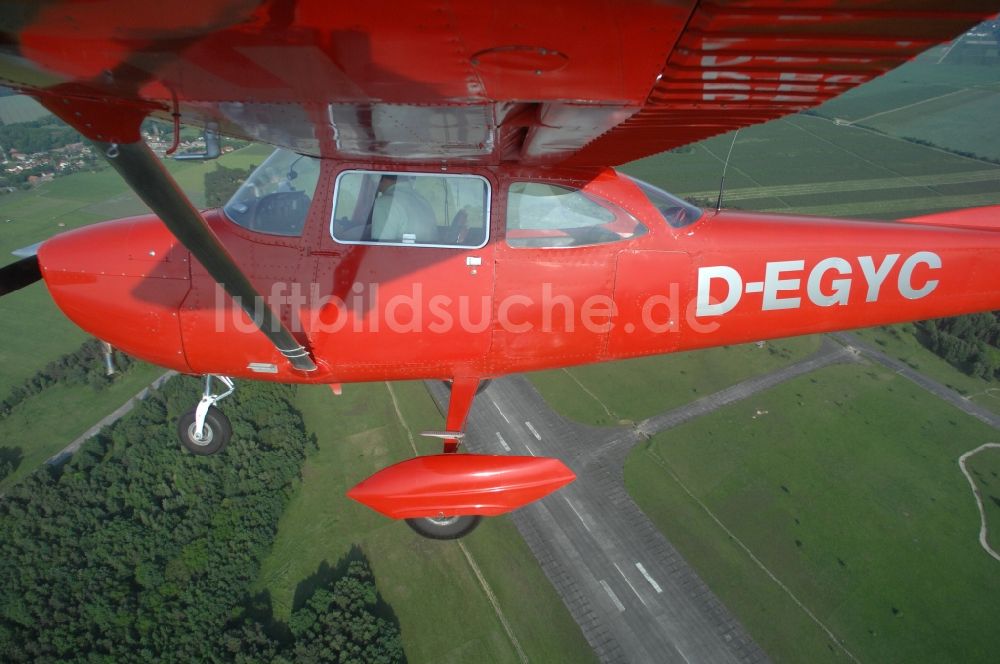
column 217, row 431
column 444, row 528
column 483, row 384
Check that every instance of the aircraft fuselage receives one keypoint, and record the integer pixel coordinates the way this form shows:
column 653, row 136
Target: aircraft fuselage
column 538, row 296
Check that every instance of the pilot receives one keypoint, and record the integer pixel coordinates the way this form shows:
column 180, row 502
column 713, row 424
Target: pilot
column 400, row 214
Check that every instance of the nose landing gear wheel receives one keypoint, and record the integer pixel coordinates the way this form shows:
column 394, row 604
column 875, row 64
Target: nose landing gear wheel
column 215, row 434
column 444, row 527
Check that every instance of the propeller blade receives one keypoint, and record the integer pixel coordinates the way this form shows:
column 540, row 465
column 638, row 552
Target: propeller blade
column 20, row 274
column 31, row 250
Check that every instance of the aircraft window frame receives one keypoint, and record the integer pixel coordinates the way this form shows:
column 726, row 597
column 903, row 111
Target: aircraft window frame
column 616, row 213
column 487, row 209
column 249, row 198
column 678, row 213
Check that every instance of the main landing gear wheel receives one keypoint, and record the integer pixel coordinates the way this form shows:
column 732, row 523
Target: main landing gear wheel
column 215, row 433
column 483, row 384
column 444, row 527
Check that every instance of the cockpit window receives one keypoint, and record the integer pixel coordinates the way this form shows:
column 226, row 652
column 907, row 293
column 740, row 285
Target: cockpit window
column 549, row 215
column 276, row 197
column 676, row 212
column 418, row 209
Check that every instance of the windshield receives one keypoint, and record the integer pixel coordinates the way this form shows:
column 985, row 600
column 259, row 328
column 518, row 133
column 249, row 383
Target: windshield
column 276, row 197
column 676, row 211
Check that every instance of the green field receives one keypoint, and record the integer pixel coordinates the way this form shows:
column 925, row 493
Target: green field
column 33, row 329
column 938, row 102
column 847, row 489
column 632, row 390
column 45, row 423
column 900, row 342
column 813, row 165
column 985, row 470
column 443, row 611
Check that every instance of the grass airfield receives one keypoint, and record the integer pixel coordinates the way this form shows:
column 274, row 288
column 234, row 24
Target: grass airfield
column 853, row 500
column 830, row 513
column 848, row 491
column 444, row 611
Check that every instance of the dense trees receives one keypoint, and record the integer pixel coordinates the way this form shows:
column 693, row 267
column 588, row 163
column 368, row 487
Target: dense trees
column 84, row 366
column 970, row 343
column 37, row 136
column 137, row 551
column 222, row 183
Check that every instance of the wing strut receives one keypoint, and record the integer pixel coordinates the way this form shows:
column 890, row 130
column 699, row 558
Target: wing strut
column 140, row 168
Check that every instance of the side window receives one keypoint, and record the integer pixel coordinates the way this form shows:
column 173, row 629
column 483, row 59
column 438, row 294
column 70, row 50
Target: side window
column 427, row 210
column 548, row 215
column 675, row 211
column 275, row 199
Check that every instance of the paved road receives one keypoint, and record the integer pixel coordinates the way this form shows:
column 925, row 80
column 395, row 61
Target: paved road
column 937, row 389
column 633, row 595
column 66, row 452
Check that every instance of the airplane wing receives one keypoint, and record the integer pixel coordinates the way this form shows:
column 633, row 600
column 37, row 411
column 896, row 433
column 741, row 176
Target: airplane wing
column 587, row 82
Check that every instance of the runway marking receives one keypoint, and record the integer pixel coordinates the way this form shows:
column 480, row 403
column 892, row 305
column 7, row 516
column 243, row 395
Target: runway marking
column 652, row 581
column 578, row 515
column 533, row 430
column 611, row 593
column 630, row 585
column 683, row 656
column 530, row 451
column 501, row 412
column 503, row 443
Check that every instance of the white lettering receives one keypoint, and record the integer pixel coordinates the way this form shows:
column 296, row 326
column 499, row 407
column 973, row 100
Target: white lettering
column 733, row 280
column 841, row 287
column 773, row 284
column 874, row 277
column 906, row 287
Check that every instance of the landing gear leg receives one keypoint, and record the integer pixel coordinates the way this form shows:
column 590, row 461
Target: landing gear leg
column 205, row 429
column 445, row 527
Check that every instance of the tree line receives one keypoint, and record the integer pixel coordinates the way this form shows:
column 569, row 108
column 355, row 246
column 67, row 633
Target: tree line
column 137, row 551
column 84, row 366
column 40, row 135
column 970, row 343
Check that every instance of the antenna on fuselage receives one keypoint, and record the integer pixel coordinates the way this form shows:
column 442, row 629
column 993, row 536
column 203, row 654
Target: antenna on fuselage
column 722, row 185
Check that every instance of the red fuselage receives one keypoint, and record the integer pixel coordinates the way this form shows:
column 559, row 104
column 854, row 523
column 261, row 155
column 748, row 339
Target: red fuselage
column 370, row 312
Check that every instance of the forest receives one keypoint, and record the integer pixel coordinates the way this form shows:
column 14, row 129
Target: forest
column 969, row 343
column 37, row 136
column 84, row 366
column 137, row 551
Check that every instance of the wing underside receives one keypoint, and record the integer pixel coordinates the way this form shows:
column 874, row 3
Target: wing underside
column 579, row 83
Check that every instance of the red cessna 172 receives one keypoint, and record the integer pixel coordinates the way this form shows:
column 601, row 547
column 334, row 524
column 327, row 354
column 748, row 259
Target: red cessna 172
column 442, row 205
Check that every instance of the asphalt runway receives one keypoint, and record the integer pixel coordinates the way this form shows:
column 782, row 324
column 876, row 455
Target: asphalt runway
column 633, row 595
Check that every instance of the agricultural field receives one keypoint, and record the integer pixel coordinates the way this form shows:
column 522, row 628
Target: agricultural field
column 34, row 330
column 820, row 164
column 831, row 516
column 443, row 609
column 931, row 99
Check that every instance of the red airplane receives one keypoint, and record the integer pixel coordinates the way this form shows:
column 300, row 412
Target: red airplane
column 441, row 203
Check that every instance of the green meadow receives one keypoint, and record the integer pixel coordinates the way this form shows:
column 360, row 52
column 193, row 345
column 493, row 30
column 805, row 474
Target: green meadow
column 834, row 505
column 444, row 611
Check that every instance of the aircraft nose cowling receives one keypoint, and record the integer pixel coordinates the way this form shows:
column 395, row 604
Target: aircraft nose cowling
column 122, row 281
